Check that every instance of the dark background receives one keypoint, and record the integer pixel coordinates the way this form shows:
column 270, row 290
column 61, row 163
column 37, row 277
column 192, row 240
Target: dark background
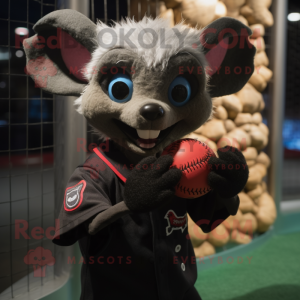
column 291, row 127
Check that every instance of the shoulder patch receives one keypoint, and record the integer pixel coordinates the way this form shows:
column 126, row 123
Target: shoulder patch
column 74, row 195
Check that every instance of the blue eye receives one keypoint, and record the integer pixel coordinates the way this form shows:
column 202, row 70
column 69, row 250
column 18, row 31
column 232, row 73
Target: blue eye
column 120, row 88
column 179, row 91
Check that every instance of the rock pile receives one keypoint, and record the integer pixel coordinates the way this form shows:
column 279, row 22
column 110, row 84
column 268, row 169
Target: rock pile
column 237, row 120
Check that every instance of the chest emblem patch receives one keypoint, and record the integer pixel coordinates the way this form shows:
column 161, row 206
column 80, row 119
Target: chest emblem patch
column 74, row 196
column 175, row 222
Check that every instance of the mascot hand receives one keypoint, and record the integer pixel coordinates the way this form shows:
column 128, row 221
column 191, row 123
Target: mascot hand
column 151, row 184
column 229, row 173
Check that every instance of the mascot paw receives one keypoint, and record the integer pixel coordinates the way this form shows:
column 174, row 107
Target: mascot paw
column 229, row 173
column 151, row 184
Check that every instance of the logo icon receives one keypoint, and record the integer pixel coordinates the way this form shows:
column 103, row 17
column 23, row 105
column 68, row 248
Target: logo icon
column 74, row 195
column 40, row 258
column 175, row 222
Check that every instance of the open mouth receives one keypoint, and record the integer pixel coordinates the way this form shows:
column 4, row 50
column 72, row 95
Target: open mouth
column 146, row 139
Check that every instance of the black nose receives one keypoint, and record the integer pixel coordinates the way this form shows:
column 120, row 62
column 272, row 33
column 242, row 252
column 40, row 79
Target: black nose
column 152, row 112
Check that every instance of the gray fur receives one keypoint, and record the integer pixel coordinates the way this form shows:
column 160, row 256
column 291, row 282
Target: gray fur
column 150, row 80
column 73, row 22
column 150, row 86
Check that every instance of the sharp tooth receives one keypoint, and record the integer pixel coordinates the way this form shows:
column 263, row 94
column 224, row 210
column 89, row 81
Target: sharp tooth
column 143, row 134
column 154, row 134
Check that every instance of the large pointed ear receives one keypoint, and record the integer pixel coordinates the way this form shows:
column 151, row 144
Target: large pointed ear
column 229, row 54
column 58, row 53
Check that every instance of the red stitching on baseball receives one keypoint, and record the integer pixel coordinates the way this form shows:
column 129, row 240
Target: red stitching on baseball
column 191, row 157
column 193, row 191
column 197, row 164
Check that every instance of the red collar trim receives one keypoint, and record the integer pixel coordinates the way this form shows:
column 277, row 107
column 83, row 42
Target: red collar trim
column 109, row 164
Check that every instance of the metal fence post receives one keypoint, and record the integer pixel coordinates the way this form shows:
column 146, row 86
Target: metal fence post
column 278, row 65
column 70, row 129
column 74, row 124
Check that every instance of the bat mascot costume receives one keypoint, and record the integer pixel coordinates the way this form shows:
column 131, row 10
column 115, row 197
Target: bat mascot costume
column 141, row 85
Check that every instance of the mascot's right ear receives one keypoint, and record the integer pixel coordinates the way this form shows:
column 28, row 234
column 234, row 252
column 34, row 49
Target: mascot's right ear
column 58, row 53
column 227, row 49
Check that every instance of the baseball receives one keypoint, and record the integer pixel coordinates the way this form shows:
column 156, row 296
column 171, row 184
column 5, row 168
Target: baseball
column 191, row 157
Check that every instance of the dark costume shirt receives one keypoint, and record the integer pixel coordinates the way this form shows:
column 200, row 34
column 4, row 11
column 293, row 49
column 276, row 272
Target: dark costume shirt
column 141, row 255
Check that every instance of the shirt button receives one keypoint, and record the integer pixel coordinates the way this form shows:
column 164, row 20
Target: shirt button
column 177, row 248
column 183, row 266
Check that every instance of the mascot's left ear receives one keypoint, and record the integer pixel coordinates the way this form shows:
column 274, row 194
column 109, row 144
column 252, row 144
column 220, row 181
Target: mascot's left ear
column 229, row 54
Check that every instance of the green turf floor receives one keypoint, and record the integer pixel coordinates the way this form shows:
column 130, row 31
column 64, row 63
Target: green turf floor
column 273, row 273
